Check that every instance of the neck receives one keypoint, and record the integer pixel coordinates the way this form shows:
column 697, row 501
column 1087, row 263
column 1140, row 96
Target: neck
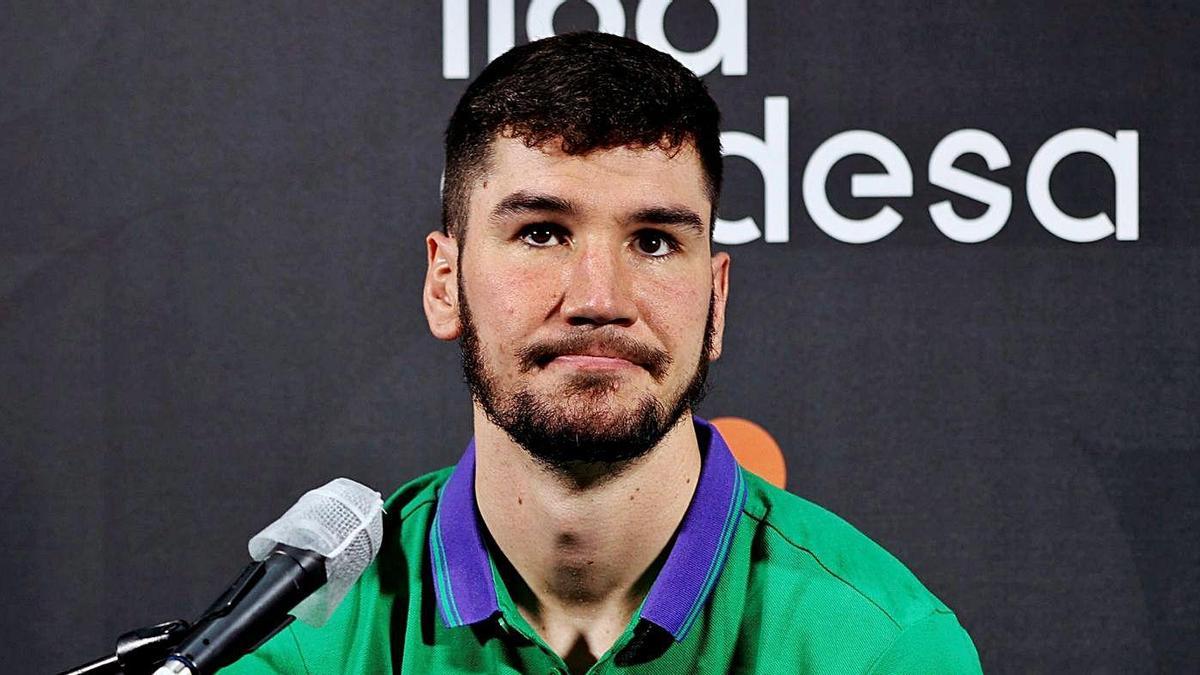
column 585, row 547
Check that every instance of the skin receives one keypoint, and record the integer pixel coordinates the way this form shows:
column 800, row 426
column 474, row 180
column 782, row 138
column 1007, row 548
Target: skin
column 583, row 544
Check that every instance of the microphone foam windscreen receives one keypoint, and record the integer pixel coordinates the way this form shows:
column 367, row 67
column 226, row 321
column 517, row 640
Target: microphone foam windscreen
column 343, row 521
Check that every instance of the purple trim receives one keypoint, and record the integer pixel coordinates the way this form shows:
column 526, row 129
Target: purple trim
column 467, row 566
column 701, row 545
column 680, row 585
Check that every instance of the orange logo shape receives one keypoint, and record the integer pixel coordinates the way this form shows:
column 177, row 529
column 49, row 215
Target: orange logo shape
column 754, row 448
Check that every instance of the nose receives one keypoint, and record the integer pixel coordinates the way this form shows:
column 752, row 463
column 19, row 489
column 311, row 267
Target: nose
column 599, row 289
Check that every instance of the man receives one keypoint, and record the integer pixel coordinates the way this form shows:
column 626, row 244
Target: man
column 594, row 525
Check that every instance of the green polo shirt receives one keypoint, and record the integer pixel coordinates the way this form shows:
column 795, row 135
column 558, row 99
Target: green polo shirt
column 757, row 581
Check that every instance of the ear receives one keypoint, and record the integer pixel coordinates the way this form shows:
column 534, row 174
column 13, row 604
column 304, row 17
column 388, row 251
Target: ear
column 441, row 286
column 720, row 286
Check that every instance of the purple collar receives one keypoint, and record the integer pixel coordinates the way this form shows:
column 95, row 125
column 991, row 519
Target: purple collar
column 462, row 571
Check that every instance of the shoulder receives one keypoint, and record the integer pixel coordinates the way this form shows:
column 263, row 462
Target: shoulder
column 408, row 514
column 807, row 557
column 415, row 495
column 812, row 540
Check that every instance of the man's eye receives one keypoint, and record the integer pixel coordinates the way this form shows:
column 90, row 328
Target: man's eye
column 654, row 244
column 541, row 235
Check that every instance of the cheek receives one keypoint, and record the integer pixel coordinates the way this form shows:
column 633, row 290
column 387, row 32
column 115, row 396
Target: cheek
column 678, row 310
column 511, row 302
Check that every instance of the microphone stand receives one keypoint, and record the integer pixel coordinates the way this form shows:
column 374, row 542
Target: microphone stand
column 141, row 651
column 138, row 651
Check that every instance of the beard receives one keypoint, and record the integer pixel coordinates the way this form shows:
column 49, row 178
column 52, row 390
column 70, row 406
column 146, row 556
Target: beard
column 571, row 429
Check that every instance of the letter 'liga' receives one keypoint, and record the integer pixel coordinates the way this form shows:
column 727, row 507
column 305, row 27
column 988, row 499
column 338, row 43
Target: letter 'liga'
column 769, row 154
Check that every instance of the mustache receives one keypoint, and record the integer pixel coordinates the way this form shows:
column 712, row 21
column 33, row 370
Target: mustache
column 538, row 354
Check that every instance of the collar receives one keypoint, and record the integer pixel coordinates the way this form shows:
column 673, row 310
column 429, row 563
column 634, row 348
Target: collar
column 462, row 570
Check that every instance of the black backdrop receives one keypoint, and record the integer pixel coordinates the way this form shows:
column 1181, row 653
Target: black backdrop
column 210, row 263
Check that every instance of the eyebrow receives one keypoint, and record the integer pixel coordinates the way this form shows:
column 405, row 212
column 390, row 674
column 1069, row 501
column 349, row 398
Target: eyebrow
column 671, row 215
column 522, row 202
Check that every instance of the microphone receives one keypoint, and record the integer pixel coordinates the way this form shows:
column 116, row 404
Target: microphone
column 307, row 561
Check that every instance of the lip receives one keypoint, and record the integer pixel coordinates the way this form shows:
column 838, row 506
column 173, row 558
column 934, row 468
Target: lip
column 593, row 362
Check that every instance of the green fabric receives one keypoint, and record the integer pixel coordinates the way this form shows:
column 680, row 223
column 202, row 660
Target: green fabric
column 802, row 592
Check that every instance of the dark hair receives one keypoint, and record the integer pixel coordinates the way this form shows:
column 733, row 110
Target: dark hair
column 594, row 91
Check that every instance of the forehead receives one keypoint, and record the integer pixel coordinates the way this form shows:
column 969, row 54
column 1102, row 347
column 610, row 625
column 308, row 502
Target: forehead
column 608, row 179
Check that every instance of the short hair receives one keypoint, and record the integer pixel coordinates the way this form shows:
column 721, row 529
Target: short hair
column 592, row 91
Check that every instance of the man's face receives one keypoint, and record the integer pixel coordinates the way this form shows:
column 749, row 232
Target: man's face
column 589, row 302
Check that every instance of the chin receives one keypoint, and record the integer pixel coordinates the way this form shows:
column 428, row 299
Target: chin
column 592, row 385
column 594, row 412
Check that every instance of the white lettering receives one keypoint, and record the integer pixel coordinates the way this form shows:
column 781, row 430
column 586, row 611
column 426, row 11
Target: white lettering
column 1121, row 155
column 770, row 155
column 728, row 48
column 456, row 53
column 896, row 181
column 944, row 174
column 501, row 27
